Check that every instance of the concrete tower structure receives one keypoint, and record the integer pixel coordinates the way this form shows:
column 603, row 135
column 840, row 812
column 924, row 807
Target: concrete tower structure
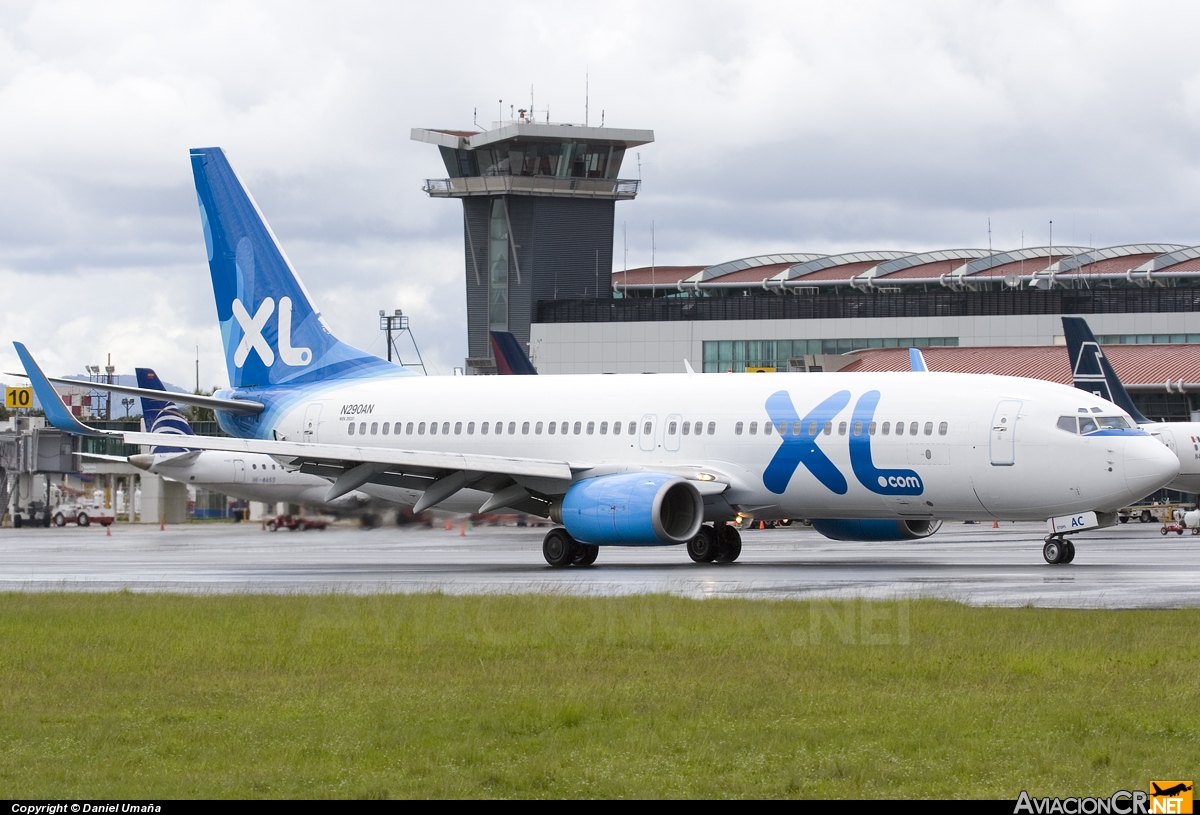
column 539, row 204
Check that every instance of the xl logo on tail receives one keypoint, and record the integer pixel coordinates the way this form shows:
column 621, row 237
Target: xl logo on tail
column 253, row 339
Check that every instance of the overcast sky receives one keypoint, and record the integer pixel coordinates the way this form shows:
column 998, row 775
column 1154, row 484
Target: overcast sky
column 779, row 126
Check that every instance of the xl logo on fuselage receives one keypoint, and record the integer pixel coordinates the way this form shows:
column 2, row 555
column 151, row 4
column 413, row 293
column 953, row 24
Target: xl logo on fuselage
column 799, row 446
column 253, row 339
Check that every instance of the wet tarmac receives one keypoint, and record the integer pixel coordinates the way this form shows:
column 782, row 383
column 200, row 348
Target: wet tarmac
column 1129, row 566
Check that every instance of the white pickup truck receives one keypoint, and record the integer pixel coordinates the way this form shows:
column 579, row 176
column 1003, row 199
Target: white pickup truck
column 81, row 514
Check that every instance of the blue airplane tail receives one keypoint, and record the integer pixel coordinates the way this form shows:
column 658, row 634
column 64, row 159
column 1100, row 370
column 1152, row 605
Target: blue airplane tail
column 510, row 359
column 159, row 415
column 1091, row 370
column 273, row 333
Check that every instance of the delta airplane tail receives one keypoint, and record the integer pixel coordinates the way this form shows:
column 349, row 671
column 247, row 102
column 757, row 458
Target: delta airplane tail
column 272, row 331
column 510, row 359
column 1090, row 368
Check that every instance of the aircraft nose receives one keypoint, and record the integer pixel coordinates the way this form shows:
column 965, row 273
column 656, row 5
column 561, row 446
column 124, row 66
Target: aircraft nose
column 142, row 461
column 1148, row 465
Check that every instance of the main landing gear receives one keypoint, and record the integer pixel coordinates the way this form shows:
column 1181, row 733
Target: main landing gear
column 1058, row 550
column 721, row 543
column 560, row 550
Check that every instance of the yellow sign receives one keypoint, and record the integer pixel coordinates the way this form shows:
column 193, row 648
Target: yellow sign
column 18, row 397
column 1171, row 797
column 760, row 370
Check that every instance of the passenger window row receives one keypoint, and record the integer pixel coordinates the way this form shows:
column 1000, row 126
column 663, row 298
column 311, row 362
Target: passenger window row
column 695, row 428
column 499, row 428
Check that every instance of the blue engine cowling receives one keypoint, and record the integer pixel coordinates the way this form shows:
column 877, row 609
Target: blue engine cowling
column 632, row 509
column 852, row 529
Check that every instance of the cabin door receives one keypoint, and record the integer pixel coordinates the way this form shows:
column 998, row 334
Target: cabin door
column 1004, row 429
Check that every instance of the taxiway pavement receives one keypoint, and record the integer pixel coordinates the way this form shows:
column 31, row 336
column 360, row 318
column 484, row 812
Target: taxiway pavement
column 1129, row 566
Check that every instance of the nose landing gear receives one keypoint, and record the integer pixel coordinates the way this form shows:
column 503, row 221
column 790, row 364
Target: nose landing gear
column 1058, row 549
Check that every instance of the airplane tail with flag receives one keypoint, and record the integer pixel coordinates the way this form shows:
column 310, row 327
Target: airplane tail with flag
column 1091, row 370
column 272, row 331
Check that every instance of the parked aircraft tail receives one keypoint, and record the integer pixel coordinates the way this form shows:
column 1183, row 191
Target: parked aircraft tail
column 161, row 416
column 510, row 359
column 1091, row 370
column 273, row 333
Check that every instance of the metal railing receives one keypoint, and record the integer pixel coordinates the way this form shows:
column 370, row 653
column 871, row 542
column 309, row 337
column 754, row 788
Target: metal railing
column 618, row 188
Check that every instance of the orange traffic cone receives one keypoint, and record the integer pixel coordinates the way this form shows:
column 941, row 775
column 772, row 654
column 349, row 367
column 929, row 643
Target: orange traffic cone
column 162, row 525
column 108, row 531
column 264, row 525
column 449, row 525
column 462, row 529
column 995, row 524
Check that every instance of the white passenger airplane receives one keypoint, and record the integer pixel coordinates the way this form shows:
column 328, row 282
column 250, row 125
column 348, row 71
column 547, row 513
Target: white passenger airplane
column 1092, row 372
column 639, row 460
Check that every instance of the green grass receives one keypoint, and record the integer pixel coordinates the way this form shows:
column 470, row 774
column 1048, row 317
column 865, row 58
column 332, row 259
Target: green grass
column 124, row 695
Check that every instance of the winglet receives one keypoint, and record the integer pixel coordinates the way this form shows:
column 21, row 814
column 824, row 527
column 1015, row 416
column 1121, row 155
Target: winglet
column 916, row 361
column 1090, row 369
column 688, row 366
column 56, row 412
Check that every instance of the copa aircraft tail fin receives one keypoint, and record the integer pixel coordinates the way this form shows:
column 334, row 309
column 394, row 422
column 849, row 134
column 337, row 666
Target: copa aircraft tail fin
column 273, row 333
column 161, row 416
column 1091, row 370
column 510, row 359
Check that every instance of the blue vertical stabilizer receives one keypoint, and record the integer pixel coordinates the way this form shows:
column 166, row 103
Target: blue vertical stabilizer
column 1091, row 370
column 161, row 416
column 272, row 331
column 510, row 359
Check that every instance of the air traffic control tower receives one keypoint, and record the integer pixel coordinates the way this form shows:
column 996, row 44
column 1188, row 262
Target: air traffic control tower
column 539, row 205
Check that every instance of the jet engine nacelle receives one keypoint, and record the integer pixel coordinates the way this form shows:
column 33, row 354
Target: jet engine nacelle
column 850, row 529
column 631, row 509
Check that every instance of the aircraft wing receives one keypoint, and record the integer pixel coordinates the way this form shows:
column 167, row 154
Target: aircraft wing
column 524, row 484
column 533, row 467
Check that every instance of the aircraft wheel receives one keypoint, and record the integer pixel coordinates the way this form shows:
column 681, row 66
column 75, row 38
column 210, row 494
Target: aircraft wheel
column 1069, row 555
column 585, row 554
column 60, row 520
column 271, row 527
column 729, row 544
column 703, row 547
column 1053, row 551
column 558, row 548
column 83, row 519
column 17, row 521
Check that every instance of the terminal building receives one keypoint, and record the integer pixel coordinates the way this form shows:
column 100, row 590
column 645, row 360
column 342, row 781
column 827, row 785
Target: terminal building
column 538, row 223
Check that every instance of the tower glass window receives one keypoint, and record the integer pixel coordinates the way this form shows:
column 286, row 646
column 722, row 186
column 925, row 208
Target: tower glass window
column 498, row 267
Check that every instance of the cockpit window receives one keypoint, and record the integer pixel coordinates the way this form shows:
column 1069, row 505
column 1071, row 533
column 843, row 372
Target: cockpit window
column 1087, row 425
column 1068, row 423
column 1112, row 422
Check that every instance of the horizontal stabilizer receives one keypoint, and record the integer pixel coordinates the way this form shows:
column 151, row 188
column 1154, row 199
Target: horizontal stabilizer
column 240, row 407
